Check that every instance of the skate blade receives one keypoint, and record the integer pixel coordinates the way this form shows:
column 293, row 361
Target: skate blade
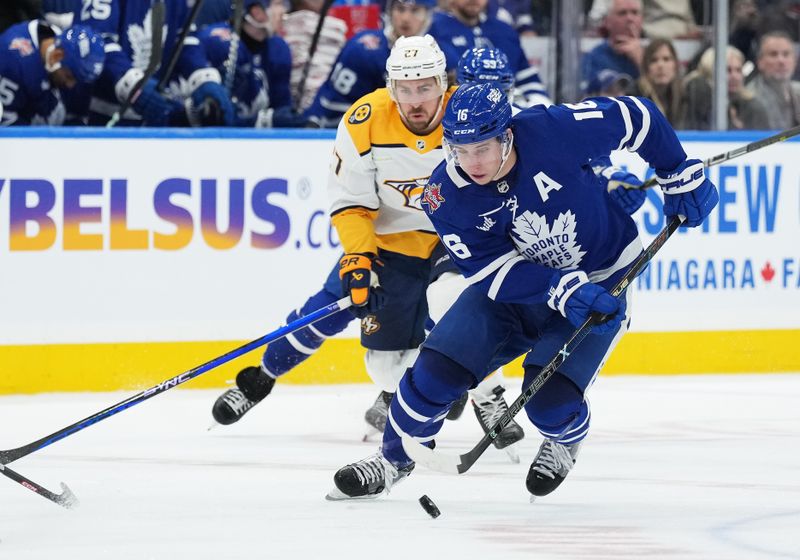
column 533, row 499
column 213, row 425
column 513, row 453
column 336, row 495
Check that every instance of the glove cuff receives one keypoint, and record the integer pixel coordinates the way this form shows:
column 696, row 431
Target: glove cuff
column 354, row 261
column 566, row 286
column 686, row 177
column 125, row 85
column 203, row 75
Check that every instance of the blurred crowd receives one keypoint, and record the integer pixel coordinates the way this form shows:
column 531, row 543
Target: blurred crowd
column 277, row 63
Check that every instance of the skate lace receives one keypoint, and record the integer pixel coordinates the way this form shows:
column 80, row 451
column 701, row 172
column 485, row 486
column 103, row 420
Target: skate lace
column 375, row 468
column 237, row 401
column 553, row 459
column 492, row 410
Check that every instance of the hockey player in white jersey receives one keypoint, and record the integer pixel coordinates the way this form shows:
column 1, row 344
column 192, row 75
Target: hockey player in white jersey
column 520, row 212
column 394, row 265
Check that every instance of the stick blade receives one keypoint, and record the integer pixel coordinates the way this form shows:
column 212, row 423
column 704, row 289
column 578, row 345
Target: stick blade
column 66, row 499
column 430, row 459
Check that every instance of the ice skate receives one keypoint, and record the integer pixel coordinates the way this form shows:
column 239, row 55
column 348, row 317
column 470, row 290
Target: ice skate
column 367, row 479
column 550, row 467
column 489, row 412
column 377, row 414
column 252, row 386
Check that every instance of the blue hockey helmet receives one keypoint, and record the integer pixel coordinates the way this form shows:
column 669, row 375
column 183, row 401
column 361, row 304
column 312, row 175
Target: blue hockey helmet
column 476, row 112
column 482, row 65
column 84, row 53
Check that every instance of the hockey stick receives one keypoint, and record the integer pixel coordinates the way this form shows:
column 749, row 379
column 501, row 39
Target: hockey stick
column 179, row 45
column 233, row 49
column 10, row 455
column 66, row 499
column 312, row 49
column 458, row 465
column 156, row 52
column 746, row 149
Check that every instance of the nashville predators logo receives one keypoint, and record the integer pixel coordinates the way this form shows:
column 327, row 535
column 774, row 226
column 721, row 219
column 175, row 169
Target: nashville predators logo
column 411, row 189
column 370, row 325
column 361, row 114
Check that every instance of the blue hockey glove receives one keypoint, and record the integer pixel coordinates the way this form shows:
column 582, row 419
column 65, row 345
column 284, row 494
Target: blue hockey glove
column 572, row 295
column 281, row 117
column 624, row 188
column 214, row 94
column 688, row 192
column 154, row 108
column 360, row 282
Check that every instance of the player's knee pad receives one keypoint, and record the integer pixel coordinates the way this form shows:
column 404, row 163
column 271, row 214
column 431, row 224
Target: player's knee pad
column 386, row 367
column 559, row 409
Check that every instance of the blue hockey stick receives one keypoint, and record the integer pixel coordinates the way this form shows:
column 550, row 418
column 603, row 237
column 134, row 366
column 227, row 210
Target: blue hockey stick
column 10, row 455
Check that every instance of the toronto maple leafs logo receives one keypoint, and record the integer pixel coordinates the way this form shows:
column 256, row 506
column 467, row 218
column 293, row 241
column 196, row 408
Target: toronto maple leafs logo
column 552, row 246
column 140, row 38
column 432, row 197
column 411, row 189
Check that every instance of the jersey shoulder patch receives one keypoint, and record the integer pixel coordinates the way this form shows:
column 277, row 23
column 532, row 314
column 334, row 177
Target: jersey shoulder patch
column 360, row 114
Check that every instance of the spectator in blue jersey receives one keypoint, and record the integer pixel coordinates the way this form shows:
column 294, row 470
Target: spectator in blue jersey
column 519, row 211
column 127, row 30
column 467, row 26
column 38, row 64
column 622, row 51
column 260, row 84
column 517, row 13
column 360, row 67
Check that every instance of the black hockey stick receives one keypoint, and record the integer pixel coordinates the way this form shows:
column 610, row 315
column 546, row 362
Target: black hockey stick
column 157, row 16
column 312, row 49
column 746, row 149
column 9, row 455
column 460, row 464
column 176, row 53
column 66, row 499
column 233, row 49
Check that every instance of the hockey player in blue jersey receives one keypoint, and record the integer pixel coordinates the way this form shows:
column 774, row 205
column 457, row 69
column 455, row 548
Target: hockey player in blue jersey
column 38, row 64
column 467, row 26
column 484, row 65
column 260, row 87
column 519, row 209
column 360, row 66
column 127, row 30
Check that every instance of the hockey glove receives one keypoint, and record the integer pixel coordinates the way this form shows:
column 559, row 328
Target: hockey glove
column 282, row 117
column 572, row 295
column 624, row 188
column 688, row 192
column 213, row 94
column 154, row 108
column 360, row 282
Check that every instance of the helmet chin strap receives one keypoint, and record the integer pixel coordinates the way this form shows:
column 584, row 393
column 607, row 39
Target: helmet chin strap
column 508, row 145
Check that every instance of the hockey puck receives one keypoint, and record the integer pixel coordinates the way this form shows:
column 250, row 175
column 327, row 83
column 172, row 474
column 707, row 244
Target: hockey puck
column 429, row 507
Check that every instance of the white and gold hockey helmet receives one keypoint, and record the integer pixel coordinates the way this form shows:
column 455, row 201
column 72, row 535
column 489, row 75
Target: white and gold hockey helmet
column 415, row 58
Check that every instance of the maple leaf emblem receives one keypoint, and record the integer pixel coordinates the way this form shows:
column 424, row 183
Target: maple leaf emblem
column 432, row 197
column 141, row 39
column 549, row 246
column 411, row 189
column 767, row 273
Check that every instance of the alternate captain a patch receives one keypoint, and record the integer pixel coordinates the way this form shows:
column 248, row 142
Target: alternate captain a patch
column 432, row 196
column 361, row 114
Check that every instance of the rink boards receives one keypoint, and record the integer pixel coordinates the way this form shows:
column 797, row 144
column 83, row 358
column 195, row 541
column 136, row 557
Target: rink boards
column 129, row 256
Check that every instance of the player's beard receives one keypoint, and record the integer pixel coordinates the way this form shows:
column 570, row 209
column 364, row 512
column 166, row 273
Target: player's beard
column 419, row 125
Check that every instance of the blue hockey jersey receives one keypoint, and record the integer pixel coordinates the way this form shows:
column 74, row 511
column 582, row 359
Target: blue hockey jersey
column 25, row 91
column 548, row 213
column 455, row 37
column 127, row 30
column 262, row 77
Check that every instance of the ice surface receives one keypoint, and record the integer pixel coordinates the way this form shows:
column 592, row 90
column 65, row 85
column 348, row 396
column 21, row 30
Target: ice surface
column 699, row 467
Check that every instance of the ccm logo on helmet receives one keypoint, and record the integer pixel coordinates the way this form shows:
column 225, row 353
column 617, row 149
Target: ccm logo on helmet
column 468, row 131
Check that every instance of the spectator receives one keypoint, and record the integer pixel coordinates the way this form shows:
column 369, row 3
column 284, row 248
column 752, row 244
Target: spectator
column 669, row 19
column 660, row 80
column 776, row 62
column 609, row 83
column 745, row 111
column 517, row 13
column 744, row 27
column 297, row 28
column 622, row 50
